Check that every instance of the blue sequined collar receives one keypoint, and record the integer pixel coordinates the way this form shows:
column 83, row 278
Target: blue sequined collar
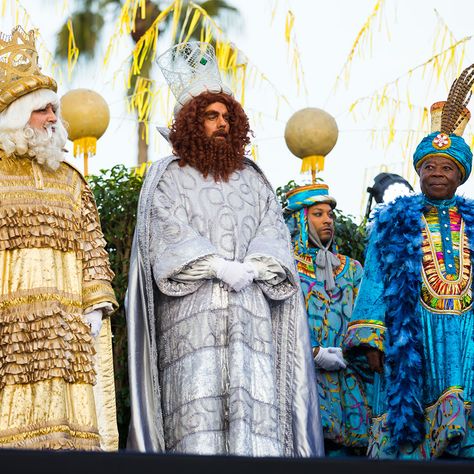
column 440, row 203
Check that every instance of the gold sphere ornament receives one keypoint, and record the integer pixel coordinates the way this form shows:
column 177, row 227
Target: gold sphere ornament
column 311, row 134
column 87, row 116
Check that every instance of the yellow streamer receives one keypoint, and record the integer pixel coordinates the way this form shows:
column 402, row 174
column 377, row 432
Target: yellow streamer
column 148, row 42
column 142, row 99
column 289, row 23
column 72, row 50
column 185, row 24
column 361, row 36
column 178, row 6
column 254, row 152
column 142, row 169
column 293, row 47
column 391, row 132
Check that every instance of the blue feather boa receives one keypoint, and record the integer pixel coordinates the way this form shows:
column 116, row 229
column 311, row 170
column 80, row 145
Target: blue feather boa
column 398, row 239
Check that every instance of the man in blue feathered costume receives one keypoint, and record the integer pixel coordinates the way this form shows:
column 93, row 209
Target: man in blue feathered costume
column 414, row 316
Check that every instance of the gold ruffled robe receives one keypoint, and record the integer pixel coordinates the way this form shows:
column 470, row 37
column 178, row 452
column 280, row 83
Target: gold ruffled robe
column 53, row 267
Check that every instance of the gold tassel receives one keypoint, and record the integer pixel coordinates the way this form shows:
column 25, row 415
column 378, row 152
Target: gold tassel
column 313, row 163
column 85, row 146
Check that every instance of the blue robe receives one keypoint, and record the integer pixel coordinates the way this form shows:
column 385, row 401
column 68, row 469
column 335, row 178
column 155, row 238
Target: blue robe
column 415, row 305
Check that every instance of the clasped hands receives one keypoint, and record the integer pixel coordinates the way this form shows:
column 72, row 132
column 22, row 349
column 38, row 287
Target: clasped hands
column 238, row 275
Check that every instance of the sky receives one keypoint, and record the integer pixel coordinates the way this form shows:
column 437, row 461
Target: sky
column 401, row 36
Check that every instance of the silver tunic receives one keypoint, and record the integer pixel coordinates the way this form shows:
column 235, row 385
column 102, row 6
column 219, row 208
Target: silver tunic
column 235, row 373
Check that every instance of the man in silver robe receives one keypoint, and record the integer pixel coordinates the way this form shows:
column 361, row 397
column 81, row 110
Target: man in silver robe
column 219, row 353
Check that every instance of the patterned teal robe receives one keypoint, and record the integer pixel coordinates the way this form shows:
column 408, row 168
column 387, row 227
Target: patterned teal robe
column 343, row 404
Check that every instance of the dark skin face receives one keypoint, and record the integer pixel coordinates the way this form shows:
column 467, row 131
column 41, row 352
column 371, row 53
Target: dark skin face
column 439, row 177
column 322, row 218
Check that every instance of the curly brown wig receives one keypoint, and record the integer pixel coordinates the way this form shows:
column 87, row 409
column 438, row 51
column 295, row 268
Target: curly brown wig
column 216, row 157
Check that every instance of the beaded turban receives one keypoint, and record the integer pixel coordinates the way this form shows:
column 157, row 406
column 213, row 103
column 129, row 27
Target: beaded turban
column 448, row 121
column 20, row 73
column 306, row 196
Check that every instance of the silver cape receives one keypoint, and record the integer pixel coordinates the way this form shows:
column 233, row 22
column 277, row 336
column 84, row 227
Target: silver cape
column 214, row 371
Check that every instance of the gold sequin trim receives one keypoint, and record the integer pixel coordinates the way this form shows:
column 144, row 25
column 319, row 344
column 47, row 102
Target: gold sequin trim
column 66, row 429
column 436, row 290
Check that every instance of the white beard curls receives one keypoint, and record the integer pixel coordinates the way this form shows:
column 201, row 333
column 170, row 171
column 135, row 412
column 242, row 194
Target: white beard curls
column 46, row 146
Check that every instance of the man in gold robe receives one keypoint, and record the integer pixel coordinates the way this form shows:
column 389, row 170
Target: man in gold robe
column 56, row 376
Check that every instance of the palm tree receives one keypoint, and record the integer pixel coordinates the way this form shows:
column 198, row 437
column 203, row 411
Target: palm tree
column 88, row 21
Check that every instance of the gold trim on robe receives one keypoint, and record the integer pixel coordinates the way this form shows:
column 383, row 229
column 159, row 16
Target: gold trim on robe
column 438, row 294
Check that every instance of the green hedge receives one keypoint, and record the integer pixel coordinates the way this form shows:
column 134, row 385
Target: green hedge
column 116, row 193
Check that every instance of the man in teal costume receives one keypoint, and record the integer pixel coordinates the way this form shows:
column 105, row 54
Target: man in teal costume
column 329, row 282
column 414, row 315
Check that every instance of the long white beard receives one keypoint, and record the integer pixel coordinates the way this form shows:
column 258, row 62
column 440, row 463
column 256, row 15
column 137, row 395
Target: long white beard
column 46, row 146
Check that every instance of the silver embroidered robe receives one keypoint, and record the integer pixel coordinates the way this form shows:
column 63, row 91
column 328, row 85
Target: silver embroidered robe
column 214, row 371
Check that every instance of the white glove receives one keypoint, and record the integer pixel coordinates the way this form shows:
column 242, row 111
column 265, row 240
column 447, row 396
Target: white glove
column 268, row 269
column 237, row 275
column 251, row 268
column 330, row 358
column 94, row 320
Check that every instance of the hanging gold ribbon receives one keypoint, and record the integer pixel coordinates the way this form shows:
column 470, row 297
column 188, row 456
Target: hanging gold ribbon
column 313, row 163
column 86, row 147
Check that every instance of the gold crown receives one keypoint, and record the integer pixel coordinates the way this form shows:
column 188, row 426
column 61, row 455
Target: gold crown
column 20, row 73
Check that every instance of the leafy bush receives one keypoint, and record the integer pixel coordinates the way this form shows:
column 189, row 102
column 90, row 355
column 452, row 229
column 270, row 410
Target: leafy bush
column 351, row 238
column 116, row 193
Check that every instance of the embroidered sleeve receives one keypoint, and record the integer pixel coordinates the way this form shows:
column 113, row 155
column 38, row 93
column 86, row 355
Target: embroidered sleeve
column 271, row 242
column 97, row 274
column 366, row 332
column 367, row 326
column 174, row 245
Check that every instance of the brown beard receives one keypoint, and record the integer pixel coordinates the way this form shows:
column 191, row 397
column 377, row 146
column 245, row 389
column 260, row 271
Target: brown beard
column 221, row 159
column 211, row 156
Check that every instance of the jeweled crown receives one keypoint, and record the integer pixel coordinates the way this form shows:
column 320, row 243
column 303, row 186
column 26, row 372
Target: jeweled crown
column 19, row 69
column 190, row 69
